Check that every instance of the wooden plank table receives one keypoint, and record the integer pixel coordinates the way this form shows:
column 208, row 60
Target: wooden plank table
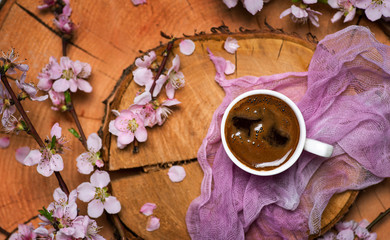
column 109, row 35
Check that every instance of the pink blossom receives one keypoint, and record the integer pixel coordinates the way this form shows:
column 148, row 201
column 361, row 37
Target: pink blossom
column 146, row 60
column 153, row 224
column 29, row 89
column 187, row 46
column 127, row 126
column 63, row 22
column 67, row 75
column 64, row 207
column 138, row 2
column 231, row 45
column 301, row 14
column 346, row 8
column 374, row 9
column 25, row 232
column 153, row 112
column 176, row 173
column 87, row 160
column 253, row 6
column 86, row 228
column 6, row 109
column 147, row 209
column 10, row 62
column 96, row 191
column 175, row 78
column 48, row 158
column 4, row 142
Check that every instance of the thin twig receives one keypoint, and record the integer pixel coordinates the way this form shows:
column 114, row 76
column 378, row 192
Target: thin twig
column 77, row 121
column 64, row 45
column 377, row 219
column 31, row 130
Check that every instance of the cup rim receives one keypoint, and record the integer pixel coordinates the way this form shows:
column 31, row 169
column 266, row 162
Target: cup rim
column 298, row 149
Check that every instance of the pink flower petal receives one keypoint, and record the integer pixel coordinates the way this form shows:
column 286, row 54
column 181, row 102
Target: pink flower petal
column 33, row 157
column 170, row 90
column 56, row 163
column 176, row 173
column 153, row 224
column 230, row 3
column 230, row 68
column 309, row 1
column 187, row 47
column 95, row 208
column 56, row 131
column 112, row 129
column 94, row 143
column 100, row 179
column 4, row 142
column 59, row 195
column 147, row 209
column 159, row 83
column 84, row 166
column 373, row 12
column 61, row 85
column 112, row 205
column 253, row 6
column 143, row 77
column 146, row 60
column 84, row 86
column 86, row 192
column 170, row 102
column 346, row 234
column 44, row 168
column 72, row 196
column 125, row 138
column 138, row 2
column 21, row 153
column 231, row 45
column 337, row 16
column 143, row 98
column 141, row 134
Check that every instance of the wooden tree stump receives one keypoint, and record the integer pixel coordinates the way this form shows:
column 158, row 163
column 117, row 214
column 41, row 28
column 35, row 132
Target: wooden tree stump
column 142, row 177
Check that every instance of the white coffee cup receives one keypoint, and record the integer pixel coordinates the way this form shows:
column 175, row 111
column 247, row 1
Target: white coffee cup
column 307, row 144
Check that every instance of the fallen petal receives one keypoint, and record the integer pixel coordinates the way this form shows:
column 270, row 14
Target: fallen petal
column 4, row 142
column 138, row 2
column 147, row 209
column 21, row 153
column 153, row 224
column 187, row 47
column 176, row 173
column 231, row 45
column 230, row 68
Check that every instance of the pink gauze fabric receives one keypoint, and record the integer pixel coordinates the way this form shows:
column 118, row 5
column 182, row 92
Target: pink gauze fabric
column 345, row 101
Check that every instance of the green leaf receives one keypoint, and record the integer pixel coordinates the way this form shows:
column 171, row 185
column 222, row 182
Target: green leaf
column 323, row 1
column 74, row 132
column 53, row 142
column 67, row 97
column 48, row 215
column 295, row 1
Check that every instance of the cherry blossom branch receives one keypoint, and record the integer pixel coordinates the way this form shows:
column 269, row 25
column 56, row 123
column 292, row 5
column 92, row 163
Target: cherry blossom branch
column 167, row 51
column 31, row 130
column 70, row 108
column 377, row 219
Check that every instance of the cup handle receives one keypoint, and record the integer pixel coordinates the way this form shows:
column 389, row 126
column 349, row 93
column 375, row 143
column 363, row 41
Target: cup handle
column 318, row 148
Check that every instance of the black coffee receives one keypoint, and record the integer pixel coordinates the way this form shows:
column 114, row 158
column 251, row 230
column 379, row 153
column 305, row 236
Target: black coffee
column 262, row 131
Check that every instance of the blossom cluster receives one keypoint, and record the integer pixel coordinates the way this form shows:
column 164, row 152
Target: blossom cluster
column 62, row 12
column 10, row 64
column 67, row 75
column 147, row 111
column 350, row 230
column 301, row 11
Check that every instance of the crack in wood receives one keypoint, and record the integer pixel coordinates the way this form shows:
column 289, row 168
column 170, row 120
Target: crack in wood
column 31, row 14
column 280, row 49
column 5, row 232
